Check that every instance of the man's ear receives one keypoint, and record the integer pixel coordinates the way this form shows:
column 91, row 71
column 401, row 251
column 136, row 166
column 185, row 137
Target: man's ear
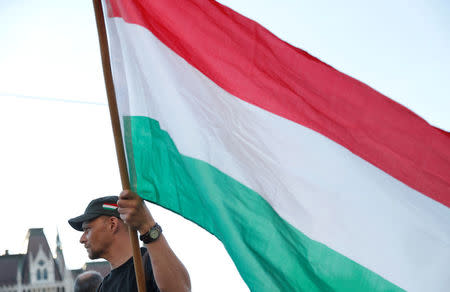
column 114, row 224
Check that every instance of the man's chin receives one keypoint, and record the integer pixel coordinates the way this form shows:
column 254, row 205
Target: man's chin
column 93, row 256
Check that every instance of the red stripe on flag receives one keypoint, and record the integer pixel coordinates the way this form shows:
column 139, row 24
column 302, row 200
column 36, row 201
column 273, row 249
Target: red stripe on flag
column 252, row 64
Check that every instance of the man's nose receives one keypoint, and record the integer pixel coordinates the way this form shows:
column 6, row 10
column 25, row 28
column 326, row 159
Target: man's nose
column 83, row 238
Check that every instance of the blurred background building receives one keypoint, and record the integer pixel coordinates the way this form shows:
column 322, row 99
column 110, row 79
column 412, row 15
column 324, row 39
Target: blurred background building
column 38, row 270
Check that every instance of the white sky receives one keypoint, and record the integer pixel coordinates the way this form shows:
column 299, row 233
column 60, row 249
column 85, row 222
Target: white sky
column 56, row 147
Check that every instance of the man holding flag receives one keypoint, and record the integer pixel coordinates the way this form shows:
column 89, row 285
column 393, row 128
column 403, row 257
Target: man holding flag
column 105, row 235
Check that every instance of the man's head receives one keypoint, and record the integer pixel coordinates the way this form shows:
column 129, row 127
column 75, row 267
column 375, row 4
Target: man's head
column 88, row 281
column 102, row 206
column 100, row 224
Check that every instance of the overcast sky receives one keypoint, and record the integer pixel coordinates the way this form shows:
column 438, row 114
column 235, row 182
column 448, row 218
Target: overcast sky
column 56, row 147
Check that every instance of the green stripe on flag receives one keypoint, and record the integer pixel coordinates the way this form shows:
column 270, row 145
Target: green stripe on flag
column 270, row 254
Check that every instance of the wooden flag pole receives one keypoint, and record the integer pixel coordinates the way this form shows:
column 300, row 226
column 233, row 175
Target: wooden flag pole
column 139, row 268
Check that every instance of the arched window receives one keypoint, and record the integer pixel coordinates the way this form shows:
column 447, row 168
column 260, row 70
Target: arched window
column 45, row 274
column 38, row 274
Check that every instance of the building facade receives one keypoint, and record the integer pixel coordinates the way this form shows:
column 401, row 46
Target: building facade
column 38, row 270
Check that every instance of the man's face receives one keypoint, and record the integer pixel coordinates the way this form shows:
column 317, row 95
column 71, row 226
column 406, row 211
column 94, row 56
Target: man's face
column 96, row 238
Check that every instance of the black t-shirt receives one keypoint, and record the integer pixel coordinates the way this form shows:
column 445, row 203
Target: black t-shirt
column 123, row 278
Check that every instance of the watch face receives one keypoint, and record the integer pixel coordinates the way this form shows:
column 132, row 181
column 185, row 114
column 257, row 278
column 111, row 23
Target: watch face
column 154, row 233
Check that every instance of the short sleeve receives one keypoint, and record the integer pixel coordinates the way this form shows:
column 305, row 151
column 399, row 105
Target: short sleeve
column 150, row 281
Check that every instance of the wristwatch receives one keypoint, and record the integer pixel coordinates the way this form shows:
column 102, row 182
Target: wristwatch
column 152, row 235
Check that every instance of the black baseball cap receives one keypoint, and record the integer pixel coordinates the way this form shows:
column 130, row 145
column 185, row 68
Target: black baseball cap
column 102, row 206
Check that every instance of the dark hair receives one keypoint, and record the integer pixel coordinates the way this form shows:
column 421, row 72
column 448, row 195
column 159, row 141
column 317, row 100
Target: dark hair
column 88, row 281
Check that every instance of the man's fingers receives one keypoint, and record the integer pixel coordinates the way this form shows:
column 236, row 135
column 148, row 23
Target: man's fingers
column 127, row 195
column 125, row 218
column 123, row 210
column 124, row 203
column 127, row 214
column 132, row 209
column 128, row 199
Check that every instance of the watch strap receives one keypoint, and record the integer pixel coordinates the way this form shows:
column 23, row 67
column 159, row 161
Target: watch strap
column 152, row 235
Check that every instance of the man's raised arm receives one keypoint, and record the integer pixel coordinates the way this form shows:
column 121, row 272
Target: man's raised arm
column 170, row 274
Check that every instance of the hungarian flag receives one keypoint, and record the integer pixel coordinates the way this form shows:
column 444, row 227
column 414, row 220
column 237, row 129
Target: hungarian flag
column 312, row 180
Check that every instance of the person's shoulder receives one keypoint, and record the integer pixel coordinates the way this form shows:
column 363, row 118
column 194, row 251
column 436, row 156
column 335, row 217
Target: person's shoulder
column 106, row 277
column 100, row 286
